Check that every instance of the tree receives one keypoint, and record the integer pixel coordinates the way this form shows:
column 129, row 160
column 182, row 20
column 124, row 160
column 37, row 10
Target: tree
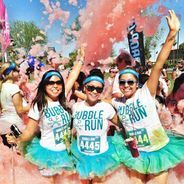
column 181, row 46
column 26, row 34
column 147, row 52
column 73, row 57
column 151, row 43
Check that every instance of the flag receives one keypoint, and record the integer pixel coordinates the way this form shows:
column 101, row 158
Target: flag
column 2, row 13
column 4, row 27
column 136, row 43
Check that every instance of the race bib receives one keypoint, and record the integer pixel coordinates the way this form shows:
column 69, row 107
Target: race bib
column 141, row 136
column 58, row 134
column 89, row 144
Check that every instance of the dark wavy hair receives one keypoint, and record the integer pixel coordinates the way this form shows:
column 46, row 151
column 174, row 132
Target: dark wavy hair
column 177, row 83
column 40, row 97
column 124, row 57
column 80, row 80
column 96, row 72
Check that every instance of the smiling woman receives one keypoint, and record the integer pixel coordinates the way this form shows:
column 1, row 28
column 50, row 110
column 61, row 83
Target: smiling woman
column 137, row 112
column 91, row 123
column 48, row 115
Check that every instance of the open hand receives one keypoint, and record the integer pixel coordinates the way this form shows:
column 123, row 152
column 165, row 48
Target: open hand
column 81, row 53
column 173, row 21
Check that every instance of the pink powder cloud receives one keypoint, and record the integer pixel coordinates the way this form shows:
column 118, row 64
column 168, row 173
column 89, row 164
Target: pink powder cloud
column 103, row 23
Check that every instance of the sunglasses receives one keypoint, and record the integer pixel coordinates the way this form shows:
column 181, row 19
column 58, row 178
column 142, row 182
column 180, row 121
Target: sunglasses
column 59, row 82
column 129, row 82
column 92, row 88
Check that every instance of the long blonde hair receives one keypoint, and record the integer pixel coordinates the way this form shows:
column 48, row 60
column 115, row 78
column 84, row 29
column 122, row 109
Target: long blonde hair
column 3, row 77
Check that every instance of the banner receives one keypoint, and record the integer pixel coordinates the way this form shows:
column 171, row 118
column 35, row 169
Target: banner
column 136, row 44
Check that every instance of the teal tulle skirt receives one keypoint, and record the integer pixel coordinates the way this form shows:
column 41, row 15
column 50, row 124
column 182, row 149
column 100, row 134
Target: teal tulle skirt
column 152, row 162
column 100, row 165
column 55, row 161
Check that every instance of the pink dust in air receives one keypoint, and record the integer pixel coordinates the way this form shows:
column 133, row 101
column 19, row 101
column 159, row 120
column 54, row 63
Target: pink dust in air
column 105, row 23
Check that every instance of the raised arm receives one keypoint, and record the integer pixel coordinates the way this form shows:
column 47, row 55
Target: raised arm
column 75, row 71
column 174, row 26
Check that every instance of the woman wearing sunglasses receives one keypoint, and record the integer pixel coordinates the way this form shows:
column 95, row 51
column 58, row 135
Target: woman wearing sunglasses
column 49, row 116
column 153, row 150
column 11, row 101
column 93, row 152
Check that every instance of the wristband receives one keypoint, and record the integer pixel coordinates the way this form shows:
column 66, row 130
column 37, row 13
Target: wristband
column 81, row 62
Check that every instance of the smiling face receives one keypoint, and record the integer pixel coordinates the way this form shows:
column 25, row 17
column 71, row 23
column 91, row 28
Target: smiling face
column 128, row 85
column 53, row 88
column 93, row 91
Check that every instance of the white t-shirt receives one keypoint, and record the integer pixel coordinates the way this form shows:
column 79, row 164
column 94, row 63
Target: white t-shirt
column 91, row 123
column 54, row 123
column 9, row 115
column 139, row 117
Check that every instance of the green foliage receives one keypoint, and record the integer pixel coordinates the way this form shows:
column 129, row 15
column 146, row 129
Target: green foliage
column 147, row 52
column 181, row 46
column 73, row 57
column 151, row 43
column 24, row 34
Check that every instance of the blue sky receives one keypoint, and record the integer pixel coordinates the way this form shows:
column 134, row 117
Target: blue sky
column 32, row 10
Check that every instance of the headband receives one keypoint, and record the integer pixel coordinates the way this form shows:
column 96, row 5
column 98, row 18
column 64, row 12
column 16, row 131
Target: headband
column 10, row 68
column 129, row 70
column 93, row 78
column 49, row 74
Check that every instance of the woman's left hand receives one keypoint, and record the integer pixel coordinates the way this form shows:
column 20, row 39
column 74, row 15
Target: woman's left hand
column 173, row 21
column 11, row 139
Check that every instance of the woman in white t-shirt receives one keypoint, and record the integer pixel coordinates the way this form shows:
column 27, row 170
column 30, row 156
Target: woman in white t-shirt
column 11, row 101
column 94, row 153
column 49, row 116
column 153, row 150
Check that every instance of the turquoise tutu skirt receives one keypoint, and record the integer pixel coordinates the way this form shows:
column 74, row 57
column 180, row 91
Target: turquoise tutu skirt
column 55, row 161
column 152, row 162
column 100, row 165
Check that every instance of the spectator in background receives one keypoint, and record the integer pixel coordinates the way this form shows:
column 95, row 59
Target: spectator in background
column 107, row 94
column 12, row 108
column 122, row 61
column 77, row 87
column 112, row 73
column 176, row 95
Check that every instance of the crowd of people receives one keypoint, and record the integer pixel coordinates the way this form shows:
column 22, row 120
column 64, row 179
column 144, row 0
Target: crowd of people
column 88, row 126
